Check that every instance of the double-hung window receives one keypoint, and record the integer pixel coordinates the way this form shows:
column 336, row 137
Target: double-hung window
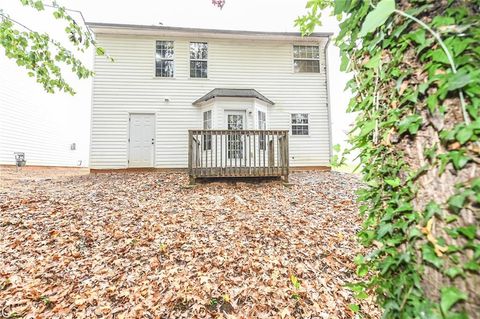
column 198, row 60
column 306, row 59
column 164, row 63
column 262, row 125
column 207, row 125
column 300, row 124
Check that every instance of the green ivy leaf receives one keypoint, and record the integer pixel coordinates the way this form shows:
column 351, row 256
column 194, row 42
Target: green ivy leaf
column 464, row 134
column 410, row 123
column 459, row 80
column 374, row 62
column 393, row 182
column 377, row 17
column 428, row 254
column 367, row 128
column 458, row 159
column 449, row 297
column 472, row 265
column 362, row 270
column 454, row 272
column 456, row 202
column 354, row 307
column 468, row 231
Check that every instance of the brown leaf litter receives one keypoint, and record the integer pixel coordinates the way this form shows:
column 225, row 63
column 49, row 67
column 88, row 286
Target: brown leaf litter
column 141, row 245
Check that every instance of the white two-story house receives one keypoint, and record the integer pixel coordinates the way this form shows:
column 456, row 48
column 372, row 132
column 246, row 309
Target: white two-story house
column 227, row 98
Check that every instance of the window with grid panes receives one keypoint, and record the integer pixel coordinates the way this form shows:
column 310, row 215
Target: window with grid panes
column 198, row 60
column 306, row 59
column 300, row 124
column 164, row 63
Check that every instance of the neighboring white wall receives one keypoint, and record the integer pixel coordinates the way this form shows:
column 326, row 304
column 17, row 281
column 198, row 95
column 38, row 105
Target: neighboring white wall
column 129, row 85
column 41, row 125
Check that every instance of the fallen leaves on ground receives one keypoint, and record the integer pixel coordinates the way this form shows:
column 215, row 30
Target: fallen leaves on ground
column 142, row 245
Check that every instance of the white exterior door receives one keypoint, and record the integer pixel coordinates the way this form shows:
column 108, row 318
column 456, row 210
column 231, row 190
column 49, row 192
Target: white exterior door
column 142, row 140
column 235, row 120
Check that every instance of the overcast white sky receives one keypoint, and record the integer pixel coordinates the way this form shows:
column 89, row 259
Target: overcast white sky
column 258, row 15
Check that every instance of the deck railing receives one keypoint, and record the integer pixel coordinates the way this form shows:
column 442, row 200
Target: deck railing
column 237, row 153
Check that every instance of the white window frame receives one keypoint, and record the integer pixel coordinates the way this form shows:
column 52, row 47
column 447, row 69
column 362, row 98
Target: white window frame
column 207, row 125
column 307, row 125
column 306, row 59
column 197, row 60
column 163, row 59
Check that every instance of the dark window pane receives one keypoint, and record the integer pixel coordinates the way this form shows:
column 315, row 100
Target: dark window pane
column 164, row 68
column 198, row 69
column 165, row 49
column 198, row 51
column 311, row 66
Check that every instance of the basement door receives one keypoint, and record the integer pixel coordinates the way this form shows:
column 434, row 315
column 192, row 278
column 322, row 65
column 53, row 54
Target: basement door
column 141, row 140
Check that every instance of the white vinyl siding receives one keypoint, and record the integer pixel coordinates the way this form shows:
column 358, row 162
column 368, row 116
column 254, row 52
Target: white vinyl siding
column 39, row 124
column 127, row 86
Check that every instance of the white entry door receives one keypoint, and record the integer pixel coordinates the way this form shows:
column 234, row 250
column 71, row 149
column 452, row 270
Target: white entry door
column 142, row 140
column 235, row 120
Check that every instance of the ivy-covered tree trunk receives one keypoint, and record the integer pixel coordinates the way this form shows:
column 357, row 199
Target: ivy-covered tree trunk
column 416, row 86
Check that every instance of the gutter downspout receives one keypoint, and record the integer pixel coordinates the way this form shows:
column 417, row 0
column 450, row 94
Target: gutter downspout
column 330, row 146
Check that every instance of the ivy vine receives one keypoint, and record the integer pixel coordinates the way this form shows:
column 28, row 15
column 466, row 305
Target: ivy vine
column 416, row 87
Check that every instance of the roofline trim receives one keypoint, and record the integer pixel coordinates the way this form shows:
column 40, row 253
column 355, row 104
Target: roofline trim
column 112, row 28
column 262, row 97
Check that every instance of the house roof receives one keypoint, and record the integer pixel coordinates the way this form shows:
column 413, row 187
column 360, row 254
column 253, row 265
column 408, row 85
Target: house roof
column 116, row 28
column 248, row 93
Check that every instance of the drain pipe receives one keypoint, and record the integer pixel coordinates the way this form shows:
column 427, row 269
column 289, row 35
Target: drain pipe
column 330, row 146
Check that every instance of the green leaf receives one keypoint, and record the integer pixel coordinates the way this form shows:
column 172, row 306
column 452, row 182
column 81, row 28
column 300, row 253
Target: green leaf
column 429, row 255
column 464, row 134
column 456, row 202
column 354, row 307
column 374, row 62
column 410, row 123
column 367, row 128
column 377, row 17
column 384, row 229
column 100, row 51
column 38, row 5
column 393, row 182
column 439, row 55
column 449, row 297
column 453, row 272
column 458, row 159
column 362, row 270
column 468, row 231
column 418, row 36
column 340, row 6
column 458, row 80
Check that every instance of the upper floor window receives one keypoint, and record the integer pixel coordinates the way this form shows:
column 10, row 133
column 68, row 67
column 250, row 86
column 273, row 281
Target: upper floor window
column 306, row 58
column 262, row 125
column 164, row 63
column 198, row 59
column 207, row 125
column 300, row 124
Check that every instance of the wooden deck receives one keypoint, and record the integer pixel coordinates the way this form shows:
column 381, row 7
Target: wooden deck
column 238, row 153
